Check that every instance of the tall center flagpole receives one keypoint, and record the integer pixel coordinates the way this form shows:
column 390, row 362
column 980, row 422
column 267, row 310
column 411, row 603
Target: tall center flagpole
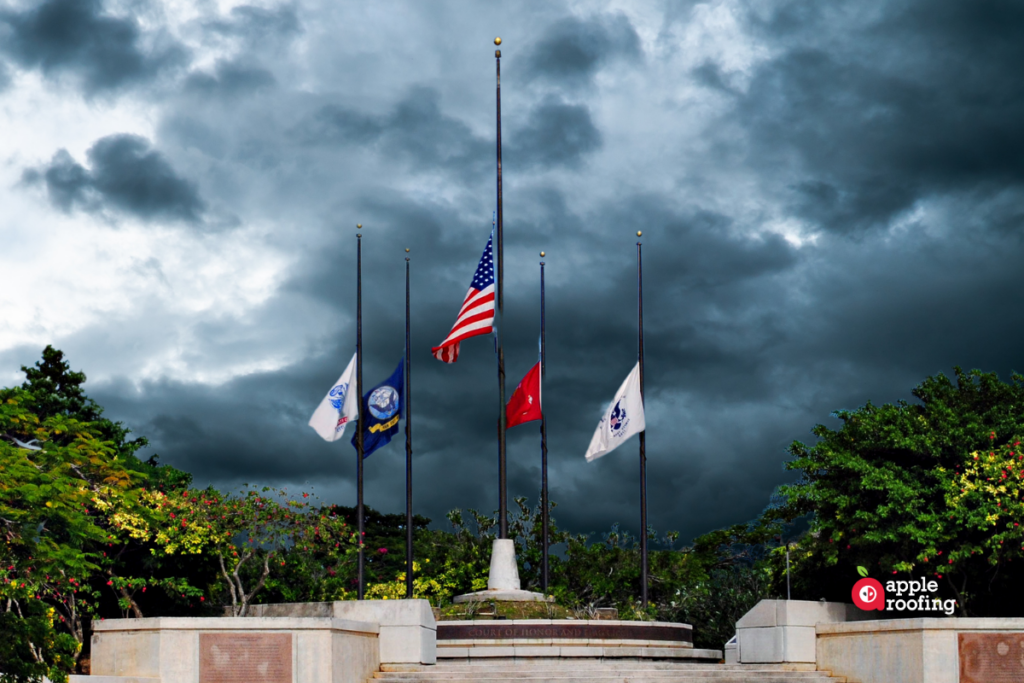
column 499, row 290
column 543, row 443
column 359, row 392
column 643, row 434
column 408, row 443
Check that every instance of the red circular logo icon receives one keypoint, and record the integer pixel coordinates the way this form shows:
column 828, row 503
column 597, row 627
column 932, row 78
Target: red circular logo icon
column 868, row 594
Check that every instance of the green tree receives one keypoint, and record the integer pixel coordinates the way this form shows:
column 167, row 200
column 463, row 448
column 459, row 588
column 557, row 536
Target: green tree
column 52, row 532
column 249, row 535
column 54, row 389
column 883, row 490
column 385, row 540
column 729, row 571
column 31, row 645
column 447, row 563
column 66, row 474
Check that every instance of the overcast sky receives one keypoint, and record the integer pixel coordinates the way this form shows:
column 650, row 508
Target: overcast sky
column 831, row 194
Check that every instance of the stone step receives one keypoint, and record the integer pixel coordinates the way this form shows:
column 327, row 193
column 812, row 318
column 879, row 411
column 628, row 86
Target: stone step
column 557, row 665
column 561, row 673
column 631, row 673
column 576, row 651
column 555, row 670
column 526, row 672
column 750, row 676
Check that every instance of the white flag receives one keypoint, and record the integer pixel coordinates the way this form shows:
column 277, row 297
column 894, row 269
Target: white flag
column 339, row 407
column 623, row 418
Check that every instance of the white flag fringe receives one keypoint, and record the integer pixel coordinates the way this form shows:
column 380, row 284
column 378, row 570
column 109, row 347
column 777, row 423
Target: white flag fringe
column 339, row 407
column 623, row 418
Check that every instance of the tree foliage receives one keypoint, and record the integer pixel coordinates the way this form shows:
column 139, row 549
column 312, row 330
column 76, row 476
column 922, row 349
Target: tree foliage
column 904, row 488
column 255, row 528
column 53, row 389
column 53, row 534
column 87, row 530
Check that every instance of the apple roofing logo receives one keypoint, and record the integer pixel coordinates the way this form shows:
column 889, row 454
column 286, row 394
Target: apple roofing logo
column 868, row 593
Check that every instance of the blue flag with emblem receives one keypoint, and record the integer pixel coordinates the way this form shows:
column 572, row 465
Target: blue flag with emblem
column 382, row 407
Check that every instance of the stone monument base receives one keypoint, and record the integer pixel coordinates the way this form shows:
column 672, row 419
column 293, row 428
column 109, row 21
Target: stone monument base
column 500, row 595
column 503, row 581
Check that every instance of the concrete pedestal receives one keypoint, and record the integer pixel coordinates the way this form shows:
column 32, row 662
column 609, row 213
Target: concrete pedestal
column 503, row 581
column 504, row 574
column 777, row 631
column 408, row 631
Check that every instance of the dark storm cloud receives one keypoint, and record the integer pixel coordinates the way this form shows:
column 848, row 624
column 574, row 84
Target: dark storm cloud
column 415, row 129
column 258, row 24
column 79, row 37
column 860, row 112
column 573, row 49
column 923, row 98
column 554, row 133
column 126, row 175
column 710, row 75
column 229, row 79
column 201, row 429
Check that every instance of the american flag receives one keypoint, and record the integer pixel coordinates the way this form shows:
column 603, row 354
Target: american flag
column 477, row 313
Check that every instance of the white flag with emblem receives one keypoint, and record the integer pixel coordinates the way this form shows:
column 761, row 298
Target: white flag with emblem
column 623, row 418
column 339, row 407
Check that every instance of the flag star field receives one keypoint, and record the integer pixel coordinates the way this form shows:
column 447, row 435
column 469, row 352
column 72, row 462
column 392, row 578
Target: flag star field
column 484, row 275
column 831, row 196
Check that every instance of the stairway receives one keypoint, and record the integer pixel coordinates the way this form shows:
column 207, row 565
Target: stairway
column 600, row 671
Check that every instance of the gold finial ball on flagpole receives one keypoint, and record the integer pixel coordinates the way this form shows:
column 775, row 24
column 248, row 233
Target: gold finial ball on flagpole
column 542, row 254
column 497, row 41
column 359, row 225
column 407, row 251
column 639, row 233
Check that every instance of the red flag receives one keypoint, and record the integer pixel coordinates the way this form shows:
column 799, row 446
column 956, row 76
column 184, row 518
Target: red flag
column 524, row 405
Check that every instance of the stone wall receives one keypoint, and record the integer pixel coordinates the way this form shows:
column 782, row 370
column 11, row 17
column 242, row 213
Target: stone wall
column 292, row 650
column 929, row 650
column 408, row 630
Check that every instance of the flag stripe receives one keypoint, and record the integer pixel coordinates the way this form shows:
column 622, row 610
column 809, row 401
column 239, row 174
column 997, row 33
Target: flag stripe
column 475, row 299
column 447, row 354
column 480, row 321
column 482, row 328
column 476, row 315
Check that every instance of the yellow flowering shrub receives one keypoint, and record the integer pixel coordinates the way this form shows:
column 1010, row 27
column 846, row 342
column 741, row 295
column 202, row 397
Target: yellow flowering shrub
column 437, row 589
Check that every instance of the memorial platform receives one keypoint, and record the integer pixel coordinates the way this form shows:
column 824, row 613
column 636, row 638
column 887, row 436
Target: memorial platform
column 567, row 638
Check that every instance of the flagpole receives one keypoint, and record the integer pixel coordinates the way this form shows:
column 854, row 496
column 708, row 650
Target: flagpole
column 408, row 443
column 499, row 291
column 359, row 393
column 543, row 443
column 643, row 434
